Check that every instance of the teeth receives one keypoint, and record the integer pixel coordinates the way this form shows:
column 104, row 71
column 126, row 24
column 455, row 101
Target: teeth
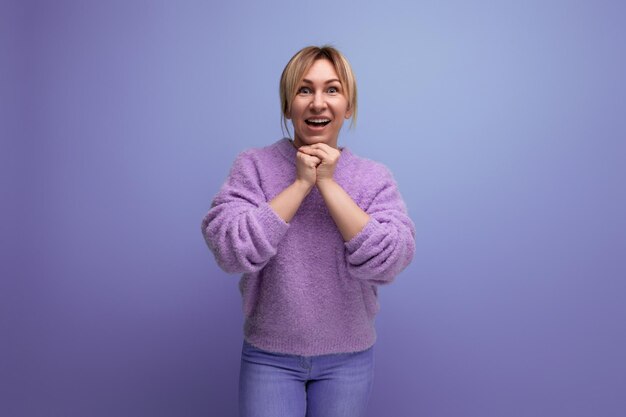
column 318, row 120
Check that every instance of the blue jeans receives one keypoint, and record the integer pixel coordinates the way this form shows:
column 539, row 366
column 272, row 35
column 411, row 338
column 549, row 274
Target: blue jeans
column 281, row 385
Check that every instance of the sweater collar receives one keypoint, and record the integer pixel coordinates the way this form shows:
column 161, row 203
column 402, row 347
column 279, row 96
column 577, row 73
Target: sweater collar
column 289, row 151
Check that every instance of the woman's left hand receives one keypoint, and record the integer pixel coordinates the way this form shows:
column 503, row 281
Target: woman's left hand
column 329, row 157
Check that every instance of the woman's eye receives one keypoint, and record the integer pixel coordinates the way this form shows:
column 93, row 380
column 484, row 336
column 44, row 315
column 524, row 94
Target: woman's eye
column 304, row 90
column 333, row 90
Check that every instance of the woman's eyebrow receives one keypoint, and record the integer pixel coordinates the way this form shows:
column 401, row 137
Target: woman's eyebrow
column 327, row 82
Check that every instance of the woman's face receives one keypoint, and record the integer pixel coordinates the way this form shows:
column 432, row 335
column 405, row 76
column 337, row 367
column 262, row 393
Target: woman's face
column 320, row 106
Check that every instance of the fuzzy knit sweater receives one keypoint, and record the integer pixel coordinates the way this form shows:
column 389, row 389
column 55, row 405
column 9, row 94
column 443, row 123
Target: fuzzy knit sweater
column 305, row 291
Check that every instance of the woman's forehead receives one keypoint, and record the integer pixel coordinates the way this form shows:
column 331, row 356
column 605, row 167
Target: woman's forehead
column 321, row 71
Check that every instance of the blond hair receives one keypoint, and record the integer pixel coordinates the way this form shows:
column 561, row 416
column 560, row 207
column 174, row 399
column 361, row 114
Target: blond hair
column 298, row 66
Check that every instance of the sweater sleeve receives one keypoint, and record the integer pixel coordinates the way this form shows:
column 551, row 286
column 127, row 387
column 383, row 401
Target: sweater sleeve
column 386, row 245
column 241, row 228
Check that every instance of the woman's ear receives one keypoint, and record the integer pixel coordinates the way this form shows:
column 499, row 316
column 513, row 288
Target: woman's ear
column 348, row 112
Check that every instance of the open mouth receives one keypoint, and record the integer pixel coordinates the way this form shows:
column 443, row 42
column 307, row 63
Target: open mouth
column 317, row 122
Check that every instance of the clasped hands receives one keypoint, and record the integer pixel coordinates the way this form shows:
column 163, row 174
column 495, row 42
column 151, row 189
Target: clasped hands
column 316, row 163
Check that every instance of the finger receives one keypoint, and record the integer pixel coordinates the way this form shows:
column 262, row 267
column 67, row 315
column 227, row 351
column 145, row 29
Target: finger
column 305, row 149
column 315, row 146
column 314, row 159
column 303, row 154
column 315, row 152
column 321, row 147
column 309, row 159
column 327, row 152
column 324, row 147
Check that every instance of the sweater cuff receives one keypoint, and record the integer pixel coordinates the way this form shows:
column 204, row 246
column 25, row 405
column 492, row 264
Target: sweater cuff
column 368, row 230
column 271, row 223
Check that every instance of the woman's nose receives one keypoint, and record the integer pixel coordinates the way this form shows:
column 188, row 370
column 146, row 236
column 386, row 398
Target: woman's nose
column 318, row 101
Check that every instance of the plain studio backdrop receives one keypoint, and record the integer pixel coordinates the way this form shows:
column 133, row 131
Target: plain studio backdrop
column 503, row 123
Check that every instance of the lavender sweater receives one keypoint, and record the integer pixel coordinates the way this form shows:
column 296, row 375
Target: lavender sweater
column 306, row 291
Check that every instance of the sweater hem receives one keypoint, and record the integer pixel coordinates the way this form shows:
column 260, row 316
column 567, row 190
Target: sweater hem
column 330, row 347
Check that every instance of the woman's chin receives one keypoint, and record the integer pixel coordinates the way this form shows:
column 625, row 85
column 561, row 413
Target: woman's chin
column 312, row 140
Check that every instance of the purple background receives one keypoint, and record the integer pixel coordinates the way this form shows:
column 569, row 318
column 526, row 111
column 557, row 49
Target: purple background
column 502, row 121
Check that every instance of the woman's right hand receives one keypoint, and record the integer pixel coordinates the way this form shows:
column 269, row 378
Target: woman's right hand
column 306, row 166
column 286, row 203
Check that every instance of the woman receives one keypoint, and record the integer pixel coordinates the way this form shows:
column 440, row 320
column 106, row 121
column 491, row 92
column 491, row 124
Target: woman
column 314, row 229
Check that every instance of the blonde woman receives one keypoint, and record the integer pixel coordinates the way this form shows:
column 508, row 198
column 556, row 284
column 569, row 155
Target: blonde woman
column 314, row 229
